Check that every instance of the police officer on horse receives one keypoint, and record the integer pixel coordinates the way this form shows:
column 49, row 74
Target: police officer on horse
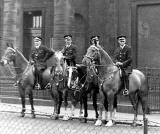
column 39, row 55
column 94, row 41
column 123, row 59
column 69, row 51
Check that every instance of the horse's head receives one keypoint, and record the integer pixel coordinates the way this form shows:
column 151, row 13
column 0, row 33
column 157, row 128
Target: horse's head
column 9, row 56
column 60, row 64
column 90, row 59
column 59, row 67
column 91, row 56
column 72, row 76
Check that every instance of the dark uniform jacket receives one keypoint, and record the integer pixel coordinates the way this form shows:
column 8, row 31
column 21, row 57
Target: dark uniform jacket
column 69, row 53
column 40, row 56
column 124, row 56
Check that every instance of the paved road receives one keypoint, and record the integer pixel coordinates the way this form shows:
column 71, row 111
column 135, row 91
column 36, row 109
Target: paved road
column 12, row 123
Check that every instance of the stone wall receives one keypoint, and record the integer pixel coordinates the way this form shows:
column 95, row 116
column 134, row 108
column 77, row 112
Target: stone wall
column 12, row 29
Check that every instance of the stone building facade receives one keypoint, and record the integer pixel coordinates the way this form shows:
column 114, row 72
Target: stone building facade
column 20, row 20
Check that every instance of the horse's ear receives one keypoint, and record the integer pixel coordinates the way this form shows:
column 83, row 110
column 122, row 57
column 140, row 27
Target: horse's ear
column 11, row 45
column 7, row 44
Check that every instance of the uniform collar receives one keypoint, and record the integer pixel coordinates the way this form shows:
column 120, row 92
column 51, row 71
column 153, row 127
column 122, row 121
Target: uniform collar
column 122, row 46
column 68, row 46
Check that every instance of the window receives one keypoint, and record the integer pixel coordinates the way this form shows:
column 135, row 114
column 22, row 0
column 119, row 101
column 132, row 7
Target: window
column 33, row 19
column 37, row 22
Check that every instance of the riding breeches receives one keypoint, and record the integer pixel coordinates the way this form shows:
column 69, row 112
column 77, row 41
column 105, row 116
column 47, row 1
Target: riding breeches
column 71, row 62
column 38, row 74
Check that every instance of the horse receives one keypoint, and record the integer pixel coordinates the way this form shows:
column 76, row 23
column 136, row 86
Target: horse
column 25, row 72
column 82, row 84
column 57, row 87
column 109, row 79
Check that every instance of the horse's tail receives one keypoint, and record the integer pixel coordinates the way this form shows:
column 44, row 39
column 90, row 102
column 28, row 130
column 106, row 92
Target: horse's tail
column 144, row 94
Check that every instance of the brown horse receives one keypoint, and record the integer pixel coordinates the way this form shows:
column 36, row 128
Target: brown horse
column 25, row 72
column 109, row 78
column 58, row 82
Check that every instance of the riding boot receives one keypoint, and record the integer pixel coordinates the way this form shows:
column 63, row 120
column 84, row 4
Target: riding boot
column 126, row 83
column 37, row 77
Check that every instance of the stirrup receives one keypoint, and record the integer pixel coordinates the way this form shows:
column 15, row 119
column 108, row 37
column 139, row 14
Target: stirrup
column 16, row 84
column 125, row 91
column 37, row 86
column 48, row 86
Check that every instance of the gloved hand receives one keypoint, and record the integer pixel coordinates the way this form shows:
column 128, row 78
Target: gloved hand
column 31, row 62
column 119, row 63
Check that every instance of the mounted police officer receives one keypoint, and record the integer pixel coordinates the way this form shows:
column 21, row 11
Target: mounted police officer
column 123, row 59
column 40, row 54
column 69, row 51
column 94, row 40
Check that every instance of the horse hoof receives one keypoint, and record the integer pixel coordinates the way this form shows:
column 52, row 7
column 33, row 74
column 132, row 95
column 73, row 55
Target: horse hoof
column 54, row 117
column 33, row 116
column 83, row 120
column 109, row 123
column 66, row 118
column 105, row 121
column 22, row 114
column 134, row 124
column 98, row 123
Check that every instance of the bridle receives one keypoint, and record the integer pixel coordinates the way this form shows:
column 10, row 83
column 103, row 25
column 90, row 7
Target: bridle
column 93, row 67
column 10, row 56
column 7, row 56
column 93, row 60
column 79, row 84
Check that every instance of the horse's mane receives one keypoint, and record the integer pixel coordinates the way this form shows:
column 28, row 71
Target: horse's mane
column 22, row 56
column 105, row 56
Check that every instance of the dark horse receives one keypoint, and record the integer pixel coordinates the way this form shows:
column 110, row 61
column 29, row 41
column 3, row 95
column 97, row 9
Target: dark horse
column 109, row 79
column 80, row 84
column 58, row 80
column 83, row 84
column 25, row 72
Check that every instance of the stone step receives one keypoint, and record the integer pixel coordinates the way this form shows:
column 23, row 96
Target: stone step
column 3, row 89
column 9, row 93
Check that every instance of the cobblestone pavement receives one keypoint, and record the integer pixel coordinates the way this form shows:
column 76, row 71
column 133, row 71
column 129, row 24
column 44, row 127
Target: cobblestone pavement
column 12, row 123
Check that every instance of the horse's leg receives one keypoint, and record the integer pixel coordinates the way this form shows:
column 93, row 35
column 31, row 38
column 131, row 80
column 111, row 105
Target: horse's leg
column 143, row 100
column 115, row 107
column 60, row 102
column 94, row 98
column 65, row 96
column 81, row 108
column 31, row 102
column 134, row 101
column 74, row 102
column 99, row 121
column 106, row 110
column 109, row 99
column 84, row 100
column 22, row 95
column 54, row 94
